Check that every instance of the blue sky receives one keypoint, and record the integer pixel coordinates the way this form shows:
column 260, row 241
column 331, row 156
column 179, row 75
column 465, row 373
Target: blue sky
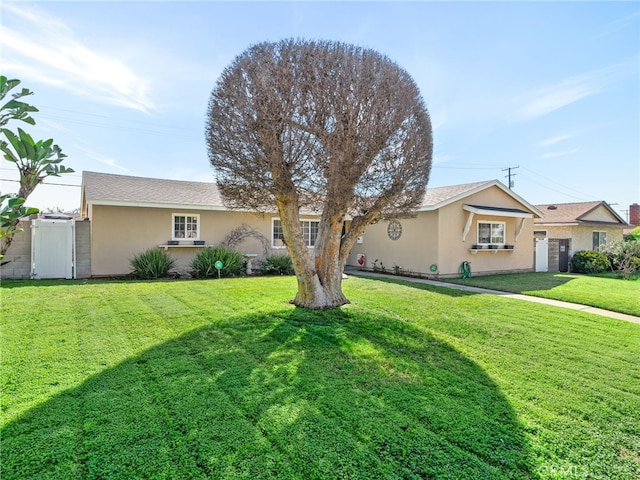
column 551, row 87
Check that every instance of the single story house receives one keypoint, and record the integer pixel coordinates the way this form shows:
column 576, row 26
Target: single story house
column 483, row 223
column 129, row 215
column 572, row 227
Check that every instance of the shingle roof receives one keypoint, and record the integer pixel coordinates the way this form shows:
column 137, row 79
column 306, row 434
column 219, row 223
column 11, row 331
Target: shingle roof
column 109, row 188
column 438, row 195
column 570, row 212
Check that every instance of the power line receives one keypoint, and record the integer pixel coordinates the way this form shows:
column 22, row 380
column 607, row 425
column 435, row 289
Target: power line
column 583, row 196
column 464, row 167
column 66, row 174
column 47, row 183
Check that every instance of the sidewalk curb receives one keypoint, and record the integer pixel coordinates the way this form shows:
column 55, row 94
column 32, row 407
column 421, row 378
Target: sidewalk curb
column 517, row 296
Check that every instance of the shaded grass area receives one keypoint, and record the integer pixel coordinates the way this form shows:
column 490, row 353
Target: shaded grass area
column 602, row 291
column 225, row 379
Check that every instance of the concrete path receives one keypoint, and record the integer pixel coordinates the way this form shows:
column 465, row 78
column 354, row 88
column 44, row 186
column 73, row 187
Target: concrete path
column 518, row 296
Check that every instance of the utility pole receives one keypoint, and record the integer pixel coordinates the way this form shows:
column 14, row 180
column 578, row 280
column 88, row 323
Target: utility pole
column 509, row 175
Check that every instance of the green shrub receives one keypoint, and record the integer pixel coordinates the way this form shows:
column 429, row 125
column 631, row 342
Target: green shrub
column 277, row 265
column 152, row 263
column 589, row 261
column 625, row 257
column 203, row 265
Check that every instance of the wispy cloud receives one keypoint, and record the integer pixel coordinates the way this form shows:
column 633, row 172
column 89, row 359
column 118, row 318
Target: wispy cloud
column 553, row 140
column 550, row 98
column 104, row 160
column 614, row 26
column 44, row 49
column 560, row 154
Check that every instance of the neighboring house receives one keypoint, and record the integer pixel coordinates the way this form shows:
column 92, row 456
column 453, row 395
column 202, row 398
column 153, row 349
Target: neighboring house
column 483, row 223
column 571, row 227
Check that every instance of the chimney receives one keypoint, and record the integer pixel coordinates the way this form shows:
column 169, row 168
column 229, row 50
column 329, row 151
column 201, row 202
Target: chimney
column 634, row 214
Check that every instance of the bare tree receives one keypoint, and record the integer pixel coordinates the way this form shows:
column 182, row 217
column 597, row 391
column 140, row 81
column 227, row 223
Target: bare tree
column 321, row 127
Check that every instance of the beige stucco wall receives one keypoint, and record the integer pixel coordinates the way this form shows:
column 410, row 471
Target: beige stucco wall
column 582, row 236
column 435, row 237
column 454, row 250
column 415, row 250
column 119, row 233
column 600, row 214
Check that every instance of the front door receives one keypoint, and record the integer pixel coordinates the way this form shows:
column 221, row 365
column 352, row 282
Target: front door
column 563, row 255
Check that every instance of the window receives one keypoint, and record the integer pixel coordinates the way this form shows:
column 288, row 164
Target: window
column 277, row 236
column 186, row 227
column 309, row 232
column 491, row 232
column 539, row 234
column 599, row 240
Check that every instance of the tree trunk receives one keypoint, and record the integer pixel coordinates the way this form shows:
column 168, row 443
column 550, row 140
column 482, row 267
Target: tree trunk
column 318, row 271
column 321, row 288
column 8, row 239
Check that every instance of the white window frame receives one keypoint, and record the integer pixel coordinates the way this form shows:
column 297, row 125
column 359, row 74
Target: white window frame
column 492, row 224
column 600, row 243
column 310, row 241
column 273, row 233
column 185, row 215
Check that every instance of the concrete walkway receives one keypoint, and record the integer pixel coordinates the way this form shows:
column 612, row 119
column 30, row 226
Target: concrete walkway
column 518, row 296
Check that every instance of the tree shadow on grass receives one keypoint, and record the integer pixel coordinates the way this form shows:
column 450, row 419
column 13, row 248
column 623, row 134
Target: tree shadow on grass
column 298, row 395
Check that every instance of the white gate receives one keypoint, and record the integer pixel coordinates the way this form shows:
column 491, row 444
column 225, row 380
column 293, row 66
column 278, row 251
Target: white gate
column 52, row 248
column 542, row 254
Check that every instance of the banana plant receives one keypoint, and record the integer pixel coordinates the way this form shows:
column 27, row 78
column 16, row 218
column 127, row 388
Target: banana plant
column 14, row 109
column 36, row 160
column 13, row 210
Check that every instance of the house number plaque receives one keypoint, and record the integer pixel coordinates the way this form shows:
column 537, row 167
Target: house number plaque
column 394, row 230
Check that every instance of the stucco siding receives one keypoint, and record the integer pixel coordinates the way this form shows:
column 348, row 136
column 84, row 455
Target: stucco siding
column 454, row 250
column 435, row 237
column 600, row 214
column 119, row 233
column 582, row 236
column 414, row 251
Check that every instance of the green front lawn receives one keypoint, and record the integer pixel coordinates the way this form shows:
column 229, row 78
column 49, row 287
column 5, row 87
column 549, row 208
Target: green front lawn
column 225, row 379
column 602, row 291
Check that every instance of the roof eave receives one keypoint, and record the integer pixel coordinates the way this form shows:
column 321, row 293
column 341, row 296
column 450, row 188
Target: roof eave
column 492, row 183
column 182, row 206
column 496, row 213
